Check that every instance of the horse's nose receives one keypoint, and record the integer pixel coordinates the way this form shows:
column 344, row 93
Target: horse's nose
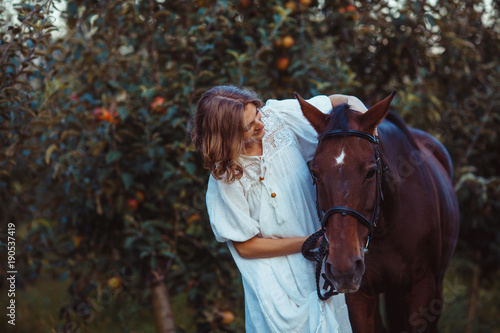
column 359, row 267
column 355, row 269
column 346, row 277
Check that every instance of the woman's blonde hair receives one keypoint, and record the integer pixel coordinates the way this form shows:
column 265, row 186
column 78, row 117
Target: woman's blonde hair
column 218, row 129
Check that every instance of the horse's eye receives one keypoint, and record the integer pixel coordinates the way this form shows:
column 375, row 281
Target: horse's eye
column 370, row 174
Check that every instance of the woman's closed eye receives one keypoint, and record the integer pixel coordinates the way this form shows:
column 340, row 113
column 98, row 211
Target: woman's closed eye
column 252, row 124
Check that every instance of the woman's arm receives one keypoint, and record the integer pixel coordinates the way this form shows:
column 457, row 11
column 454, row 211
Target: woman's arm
column 354, row 102
column 337, row 99
column 266, row 247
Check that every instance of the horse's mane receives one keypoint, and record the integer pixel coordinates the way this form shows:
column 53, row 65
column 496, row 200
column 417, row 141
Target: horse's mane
column 399, row 123
column 340, row 115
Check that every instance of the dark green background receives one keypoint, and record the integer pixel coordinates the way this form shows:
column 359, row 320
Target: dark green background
column 66, row 178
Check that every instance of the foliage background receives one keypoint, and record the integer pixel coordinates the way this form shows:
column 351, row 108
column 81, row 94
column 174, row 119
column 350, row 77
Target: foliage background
column 109, row 204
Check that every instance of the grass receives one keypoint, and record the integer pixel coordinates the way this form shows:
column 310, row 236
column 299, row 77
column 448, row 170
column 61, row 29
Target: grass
column 38, row 306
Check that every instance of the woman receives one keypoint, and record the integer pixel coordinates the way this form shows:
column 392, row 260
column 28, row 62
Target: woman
column 261, row 201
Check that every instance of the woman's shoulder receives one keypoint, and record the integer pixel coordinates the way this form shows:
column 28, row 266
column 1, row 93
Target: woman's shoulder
column 216, row 184
column 287, row 112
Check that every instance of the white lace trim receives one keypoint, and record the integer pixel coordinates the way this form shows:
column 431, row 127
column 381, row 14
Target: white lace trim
column 256, row 171
column 277, row 137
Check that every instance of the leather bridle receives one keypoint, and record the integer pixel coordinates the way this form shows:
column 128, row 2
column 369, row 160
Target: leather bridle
column 309, row 247
column 372, row 223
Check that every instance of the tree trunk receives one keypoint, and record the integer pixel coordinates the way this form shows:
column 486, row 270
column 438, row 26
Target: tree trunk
column 473, row 299
column 164, row 319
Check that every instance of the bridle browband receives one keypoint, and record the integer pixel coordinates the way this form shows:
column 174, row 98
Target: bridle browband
column 309, row 247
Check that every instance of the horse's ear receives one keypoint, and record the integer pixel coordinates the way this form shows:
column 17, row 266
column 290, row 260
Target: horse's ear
column 317, row 118
column 374, row 115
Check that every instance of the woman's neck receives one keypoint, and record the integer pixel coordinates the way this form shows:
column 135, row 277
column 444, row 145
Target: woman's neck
column 254, row 149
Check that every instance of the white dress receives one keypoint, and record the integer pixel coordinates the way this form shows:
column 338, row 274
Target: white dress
column 280, row 292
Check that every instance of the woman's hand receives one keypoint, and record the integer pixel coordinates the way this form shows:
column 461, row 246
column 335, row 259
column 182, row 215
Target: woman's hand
column 320, row 239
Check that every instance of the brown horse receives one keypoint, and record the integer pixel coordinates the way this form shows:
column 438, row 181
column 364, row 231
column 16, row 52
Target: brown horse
column 394, row 197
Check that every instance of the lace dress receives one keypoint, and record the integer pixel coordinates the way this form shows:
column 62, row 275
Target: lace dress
column 276, row 198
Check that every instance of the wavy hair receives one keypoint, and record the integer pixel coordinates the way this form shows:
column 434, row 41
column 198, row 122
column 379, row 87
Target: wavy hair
column 218, row 129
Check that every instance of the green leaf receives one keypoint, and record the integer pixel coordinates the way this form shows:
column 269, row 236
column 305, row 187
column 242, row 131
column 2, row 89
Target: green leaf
column 171, row 112
column 153, row 262
column 151, row 206
column 113, row 156
column 156, row 223
column 49, row 152
column 122, row 112
column 129, row 241
column 190, row 168
column 127, row 180
column 233, row 53
column 114, row 84
column 168, row 254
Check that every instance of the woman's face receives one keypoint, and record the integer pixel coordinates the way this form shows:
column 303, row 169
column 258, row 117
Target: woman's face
column 254, row 128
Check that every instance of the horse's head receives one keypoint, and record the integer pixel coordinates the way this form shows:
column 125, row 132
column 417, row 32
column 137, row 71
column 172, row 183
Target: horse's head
column 347, row 176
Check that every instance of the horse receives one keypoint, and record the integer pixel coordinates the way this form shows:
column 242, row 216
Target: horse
column 392, row 216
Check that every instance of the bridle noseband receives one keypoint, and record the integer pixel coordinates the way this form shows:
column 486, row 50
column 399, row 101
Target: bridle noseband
column 309, row 246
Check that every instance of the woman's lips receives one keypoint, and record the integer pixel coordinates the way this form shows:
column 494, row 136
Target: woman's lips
column 259, row 131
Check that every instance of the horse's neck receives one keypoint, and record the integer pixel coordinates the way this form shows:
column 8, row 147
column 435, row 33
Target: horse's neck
column 401, row 162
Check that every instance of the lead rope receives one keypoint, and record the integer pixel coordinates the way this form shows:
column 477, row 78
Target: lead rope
column 318, row 255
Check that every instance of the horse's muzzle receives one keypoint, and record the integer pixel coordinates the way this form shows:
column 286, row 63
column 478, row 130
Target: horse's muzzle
column 346, row 280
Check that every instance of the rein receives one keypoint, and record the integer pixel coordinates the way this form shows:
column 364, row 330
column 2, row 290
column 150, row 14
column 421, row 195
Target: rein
column 320, row 254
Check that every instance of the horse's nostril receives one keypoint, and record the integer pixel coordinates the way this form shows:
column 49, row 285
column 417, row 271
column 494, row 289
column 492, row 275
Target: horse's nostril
column 330, row 270
column 328, row 267
column 359, row 267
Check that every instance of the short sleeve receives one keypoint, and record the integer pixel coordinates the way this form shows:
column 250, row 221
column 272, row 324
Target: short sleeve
column 289, row 110
column 229, row 212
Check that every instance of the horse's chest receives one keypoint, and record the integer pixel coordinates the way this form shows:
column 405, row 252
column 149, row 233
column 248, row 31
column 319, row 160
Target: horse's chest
column 387, row 269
